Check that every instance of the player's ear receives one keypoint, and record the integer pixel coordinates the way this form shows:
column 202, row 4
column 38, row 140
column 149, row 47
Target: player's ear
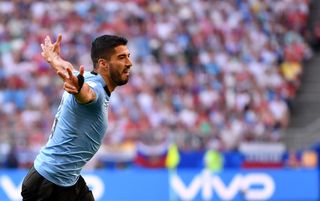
column 103, row 63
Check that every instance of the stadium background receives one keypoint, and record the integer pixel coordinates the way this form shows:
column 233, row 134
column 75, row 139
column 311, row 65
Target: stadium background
column 222, row 103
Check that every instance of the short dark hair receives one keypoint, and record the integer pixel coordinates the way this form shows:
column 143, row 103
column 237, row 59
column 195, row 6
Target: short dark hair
column 103, row 46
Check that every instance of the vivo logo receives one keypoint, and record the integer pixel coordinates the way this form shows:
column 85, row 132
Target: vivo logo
column 13, row 191
column 252, row 186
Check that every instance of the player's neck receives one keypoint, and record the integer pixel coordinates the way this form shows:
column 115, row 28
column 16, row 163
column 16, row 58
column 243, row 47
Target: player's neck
column 109, row 83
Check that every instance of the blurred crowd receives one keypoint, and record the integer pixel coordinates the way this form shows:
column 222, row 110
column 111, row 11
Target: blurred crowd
column 206, row 74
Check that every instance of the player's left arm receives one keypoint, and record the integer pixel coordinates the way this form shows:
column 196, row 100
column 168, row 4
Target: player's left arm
column 51, row 53
column 72, row 84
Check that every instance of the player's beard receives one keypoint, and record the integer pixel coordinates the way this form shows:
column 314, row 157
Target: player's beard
column 116, row 77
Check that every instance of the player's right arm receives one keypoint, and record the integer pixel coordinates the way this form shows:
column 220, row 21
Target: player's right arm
column 75, row 85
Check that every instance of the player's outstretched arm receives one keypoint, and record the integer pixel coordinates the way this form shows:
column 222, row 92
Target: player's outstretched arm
column 75, row 85
column 51, row 53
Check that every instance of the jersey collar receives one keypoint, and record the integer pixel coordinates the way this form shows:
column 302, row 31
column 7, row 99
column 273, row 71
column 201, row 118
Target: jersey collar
column 105, row 87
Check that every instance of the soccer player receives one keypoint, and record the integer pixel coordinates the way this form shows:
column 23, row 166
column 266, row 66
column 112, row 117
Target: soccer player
column 80, row 122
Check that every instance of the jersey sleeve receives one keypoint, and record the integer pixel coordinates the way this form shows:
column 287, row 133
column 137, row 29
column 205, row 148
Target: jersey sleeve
column 95, row 87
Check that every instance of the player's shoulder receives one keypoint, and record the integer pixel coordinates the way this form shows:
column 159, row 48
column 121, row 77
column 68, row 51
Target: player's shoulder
column 88, row 75
column 93, row 79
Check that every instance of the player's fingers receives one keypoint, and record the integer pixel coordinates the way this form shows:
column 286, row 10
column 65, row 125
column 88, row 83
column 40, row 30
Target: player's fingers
column 59, row 39
column 56, row 45
column 62, row 75
column 44, row 47
column 48, row 40
column 81, row 70
column 47, row 44
column 70, row 87
column 70, row 90
column 69, row 71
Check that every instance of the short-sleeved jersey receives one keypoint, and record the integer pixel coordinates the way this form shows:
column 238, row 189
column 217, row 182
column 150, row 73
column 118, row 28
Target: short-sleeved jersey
column 76, row 135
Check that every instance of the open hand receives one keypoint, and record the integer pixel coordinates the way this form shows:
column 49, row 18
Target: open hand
column 51, row 52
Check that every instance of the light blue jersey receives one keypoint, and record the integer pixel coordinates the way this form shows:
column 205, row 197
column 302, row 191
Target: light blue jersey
column 76, row 135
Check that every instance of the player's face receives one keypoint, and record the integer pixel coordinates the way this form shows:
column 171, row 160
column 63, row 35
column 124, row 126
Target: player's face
column 119, row 65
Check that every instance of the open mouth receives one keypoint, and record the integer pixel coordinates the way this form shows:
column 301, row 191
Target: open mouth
column 126, row 72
